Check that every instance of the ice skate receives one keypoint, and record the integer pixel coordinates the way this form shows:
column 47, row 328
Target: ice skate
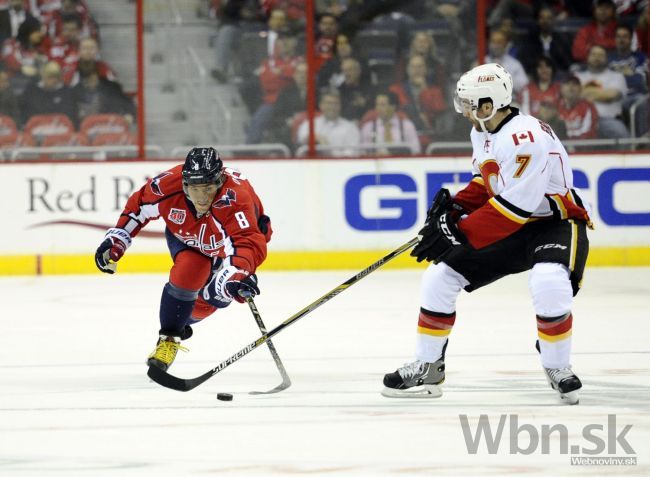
column 165, row 353
column 415, row 380
column 565, row 382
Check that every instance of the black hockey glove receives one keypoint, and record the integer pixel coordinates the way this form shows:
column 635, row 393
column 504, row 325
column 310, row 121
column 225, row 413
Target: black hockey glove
column 440, row 232
column 264, row 224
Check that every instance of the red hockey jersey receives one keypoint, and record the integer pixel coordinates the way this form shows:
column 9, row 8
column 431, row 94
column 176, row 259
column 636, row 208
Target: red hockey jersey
column 229, row 230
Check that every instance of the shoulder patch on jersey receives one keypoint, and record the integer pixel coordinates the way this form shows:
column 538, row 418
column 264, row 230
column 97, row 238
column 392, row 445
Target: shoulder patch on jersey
column 226, row 200
column 155, row 183
column 177, row 216
column 522, row 137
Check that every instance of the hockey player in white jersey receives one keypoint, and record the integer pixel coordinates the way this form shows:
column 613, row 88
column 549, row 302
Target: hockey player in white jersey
column 520, row 212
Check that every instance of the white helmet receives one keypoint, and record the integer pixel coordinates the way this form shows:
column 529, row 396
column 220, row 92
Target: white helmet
column 484, row 81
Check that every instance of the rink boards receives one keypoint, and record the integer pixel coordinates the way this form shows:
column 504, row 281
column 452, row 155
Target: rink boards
column 327, row 214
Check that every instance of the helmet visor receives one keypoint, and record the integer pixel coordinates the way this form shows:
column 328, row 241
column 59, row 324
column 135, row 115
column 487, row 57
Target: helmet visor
column 462, row 105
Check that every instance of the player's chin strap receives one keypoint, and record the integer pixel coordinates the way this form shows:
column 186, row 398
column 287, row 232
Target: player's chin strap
column 165, row 379
column 482, row 121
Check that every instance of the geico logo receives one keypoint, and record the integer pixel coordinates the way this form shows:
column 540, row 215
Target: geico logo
column 389, row 202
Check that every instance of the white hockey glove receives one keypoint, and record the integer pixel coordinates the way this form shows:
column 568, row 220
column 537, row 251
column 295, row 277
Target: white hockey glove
column 227, row 284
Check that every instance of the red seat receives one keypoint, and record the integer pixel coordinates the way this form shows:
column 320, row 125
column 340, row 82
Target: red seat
column 16, row 139
column 114, row 139
column 42, row 125
column 67, row 139
column 7, row 126
column 96, row 124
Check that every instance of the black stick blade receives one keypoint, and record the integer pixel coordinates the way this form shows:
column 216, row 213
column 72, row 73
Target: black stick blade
column 172, row 382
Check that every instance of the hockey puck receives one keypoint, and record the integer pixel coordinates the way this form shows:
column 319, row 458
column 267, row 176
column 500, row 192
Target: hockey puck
column 224, row 397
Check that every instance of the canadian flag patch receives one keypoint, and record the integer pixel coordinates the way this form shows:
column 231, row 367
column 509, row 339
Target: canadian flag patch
column 522, row 137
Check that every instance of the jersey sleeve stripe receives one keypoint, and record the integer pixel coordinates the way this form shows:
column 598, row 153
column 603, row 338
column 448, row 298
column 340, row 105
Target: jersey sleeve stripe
column 508, row 210
column 560, row 206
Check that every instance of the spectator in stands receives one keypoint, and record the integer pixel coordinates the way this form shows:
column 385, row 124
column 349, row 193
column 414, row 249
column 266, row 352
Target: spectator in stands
column 579, row 115
column 544, row 41
column 96, row 95
column 600, row 31
column 11, row 19
column 24, row 55
column 421, row 101
column 542, row 88
column 634, row 66
column 230, row 14
column 606, row 89
column 507, row 27
column 330, row 74
column 274, row 75
column 8, row 100
column 328, row 29
column 549, row 113
column 65, row 48
column 54, row 19
column 290, row 104
column 356, row 91
column 497, row 54
column 89, row 53
column 423, row 45
column 330, row 129
column 385, row 126
column 49, row 95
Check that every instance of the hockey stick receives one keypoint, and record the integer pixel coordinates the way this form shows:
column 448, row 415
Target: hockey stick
column 167, row 380
column 286, row 381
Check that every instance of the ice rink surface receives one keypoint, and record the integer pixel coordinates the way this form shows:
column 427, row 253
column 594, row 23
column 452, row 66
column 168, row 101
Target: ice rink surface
column 76, row 401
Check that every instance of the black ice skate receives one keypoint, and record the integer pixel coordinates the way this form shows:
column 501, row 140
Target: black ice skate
column 415, row 380
column 565, row 383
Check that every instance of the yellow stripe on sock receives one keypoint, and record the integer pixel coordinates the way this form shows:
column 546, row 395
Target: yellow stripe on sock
column 429, row 331
column 554, row 338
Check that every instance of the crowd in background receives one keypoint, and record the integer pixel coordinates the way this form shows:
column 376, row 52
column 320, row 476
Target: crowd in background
column 55, row 90
column 387, row 70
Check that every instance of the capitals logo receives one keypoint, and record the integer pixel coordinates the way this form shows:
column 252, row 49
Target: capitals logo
column 155, row 183
column 226, row 200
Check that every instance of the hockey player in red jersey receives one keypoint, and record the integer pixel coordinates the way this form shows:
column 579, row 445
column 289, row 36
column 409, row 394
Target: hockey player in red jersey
column 216, row 232
column 520, row 212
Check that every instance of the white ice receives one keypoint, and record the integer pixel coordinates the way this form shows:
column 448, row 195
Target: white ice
column 75, row 399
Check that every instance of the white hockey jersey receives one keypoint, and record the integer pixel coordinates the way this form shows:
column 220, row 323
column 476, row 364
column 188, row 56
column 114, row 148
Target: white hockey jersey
column 522, row 173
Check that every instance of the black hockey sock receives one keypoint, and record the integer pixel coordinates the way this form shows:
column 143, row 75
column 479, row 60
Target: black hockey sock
column 176, row 306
